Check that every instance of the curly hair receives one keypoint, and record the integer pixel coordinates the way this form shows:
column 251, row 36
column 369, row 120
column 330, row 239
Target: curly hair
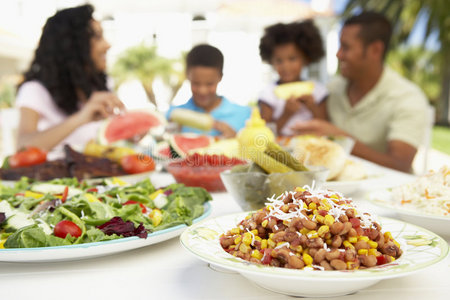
column 304, row 35
column 62, row 60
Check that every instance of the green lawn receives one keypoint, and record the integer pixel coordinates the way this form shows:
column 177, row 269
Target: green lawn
column 441, row 139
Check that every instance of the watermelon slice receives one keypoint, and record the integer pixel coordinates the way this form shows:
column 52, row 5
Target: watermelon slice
column 181, row 144
column 130, row 124
column 162, row 151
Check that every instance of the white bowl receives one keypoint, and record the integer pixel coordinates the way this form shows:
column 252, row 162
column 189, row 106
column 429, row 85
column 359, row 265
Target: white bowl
column 202, row 240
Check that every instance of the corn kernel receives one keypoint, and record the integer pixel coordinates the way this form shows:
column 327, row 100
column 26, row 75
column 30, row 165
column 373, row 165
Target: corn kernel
column 256, row 254
column 271, row 243
column 328, row 241
column 347, row 244
column 297, row 249
column 264, row 223
column 363, row 251
column 257, row 238
column 388, row 236
column 234, row 253
column 248, row 217
column 334, row 196
column 363, row 238
column 271, row 235
column 235, row 230
column 299, row 189
column 307, row 259
column 312, row 206
column 304, row 231
column 396, row 243
column 313, row 234
column 285, row 208
column 282, row 244
column 373, row 252
column 244, row 248
column 329, row 220
column 237, row 240
column 392, row 258
column 320, row 218
column 315, row 212
column 353, row 239
column 323, row 230
column 254, row 231
column 305, row 206
column 264, row 244
column 247, row 238
column 286, row 222
column 372, row 244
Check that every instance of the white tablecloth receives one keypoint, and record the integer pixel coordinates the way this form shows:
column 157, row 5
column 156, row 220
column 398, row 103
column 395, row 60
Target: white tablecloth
column 167, row 271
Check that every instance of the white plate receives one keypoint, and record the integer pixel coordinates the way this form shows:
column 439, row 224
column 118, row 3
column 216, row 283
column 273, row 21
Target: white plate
column 202, row 240
column 435, row 223
column 89, row 250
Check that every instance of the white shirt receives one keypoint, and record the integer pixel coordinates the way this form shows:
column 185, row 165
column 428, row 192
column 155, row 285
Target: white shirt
column 34, row 95
column 268, row 97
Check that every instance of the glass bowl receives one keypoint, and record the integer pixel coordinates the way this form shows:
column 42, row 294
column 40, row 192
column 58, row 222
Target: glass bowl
column 251, row 189
column 205, row 176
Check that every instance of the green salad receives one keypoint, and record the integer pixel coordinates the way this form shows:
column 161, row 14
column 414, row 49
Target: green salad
column 67, row 212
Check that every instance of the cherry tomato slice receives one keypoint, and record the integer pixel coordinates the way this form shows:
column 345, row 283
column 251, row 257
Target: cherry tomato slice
column 65, row 227
column 137, row 163
column 27, row 157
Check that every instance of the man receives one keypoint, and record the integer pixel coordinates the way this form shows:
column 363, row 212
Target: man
column 386, row 114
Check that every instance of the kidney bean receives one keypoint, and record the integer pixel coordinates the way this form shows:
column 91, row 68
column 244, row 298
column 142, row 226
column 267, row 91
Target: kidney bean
column 347, row 228
column 290, row 236
column 295, row 262
column 343, row 218
column 361, row 245
column 350, row 255
column 380, row 241
column 272, row 222
column 226, row 242
column 333, row 254
column 326, row 265
column 314, row 243
column 279, row 236
column 338, row 264
column 282, row 255
column 350, row 213
column 312, row 251
column 336, row 228
column 352, row 232
column 390, row 249
column 259, row 216
column 275, row 263
column 303, row 240
column 373, row 234
column 336, row 242
column 261, row 231
column 296, row 223
column 255, row 260
column 319, row 256
column 368, row 260
column 309, row 224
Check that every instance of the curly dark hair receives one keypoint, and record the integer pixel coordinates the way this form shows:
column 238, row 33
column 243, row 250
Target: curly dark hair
column 62, row 60
column 304, row 35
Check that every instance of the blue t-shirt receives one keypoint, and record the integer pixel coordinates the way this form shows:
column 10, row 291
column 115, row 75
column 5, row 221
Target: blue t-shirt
column 233, row 114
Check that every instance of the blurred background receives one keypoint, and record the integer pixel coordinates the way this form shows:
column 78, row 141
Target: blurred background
column 150, row 38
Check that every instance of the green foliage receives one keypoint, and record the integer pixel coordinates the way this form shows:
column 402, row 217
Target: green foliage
column 142, row 62
column 7, row 94
column 441, row 139
column 419, row 65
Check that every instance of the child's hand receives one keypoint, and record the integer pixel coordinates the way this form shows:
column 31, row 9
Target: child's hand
column 225, row 129
column 308, row 101
column 292, row 106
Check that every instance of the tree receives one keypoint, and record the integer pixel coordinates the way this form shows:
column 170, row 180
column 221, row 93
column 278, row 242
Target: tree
column 403, row 14
column 143, row 63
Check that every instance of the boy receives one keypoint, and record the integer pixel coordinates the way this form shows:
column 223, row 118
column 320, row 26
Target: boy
column 204, row 65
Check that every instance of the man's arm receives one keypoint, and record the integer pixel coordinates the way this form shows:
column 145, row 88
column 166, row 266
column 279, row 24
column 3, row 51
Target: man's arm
column 399, row 155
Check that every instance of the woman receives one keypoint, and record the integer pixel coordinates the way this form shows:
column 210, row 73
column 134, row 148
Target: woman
column 64, row 91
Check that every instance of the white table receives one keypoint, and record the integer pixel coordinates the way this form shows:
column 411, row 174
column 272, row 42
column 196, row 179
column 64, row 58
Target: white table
column 167, row 271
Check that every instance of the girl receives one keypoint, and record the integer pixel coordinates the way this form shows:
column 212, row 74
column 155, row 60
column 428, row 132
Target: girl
column 289, row 48
column 64, row 91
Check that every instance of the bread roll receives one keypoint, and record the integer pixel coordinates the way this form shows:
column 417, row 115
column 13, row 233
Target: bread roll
column 313, row 151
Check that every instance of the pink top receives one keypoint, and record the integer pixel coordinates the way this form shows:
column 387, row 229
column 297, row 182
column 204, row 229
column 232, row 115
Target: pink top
column 34, row 95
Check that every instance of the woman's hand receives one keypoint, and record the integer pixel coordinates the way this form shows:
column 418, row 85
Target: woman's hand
column 225, row 129
column 99, row 106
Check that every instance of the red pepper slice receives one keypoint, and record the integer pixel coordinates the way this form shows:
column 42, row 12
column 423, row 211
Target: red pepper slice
column 143, row 208
column 92, row 190
column 64, row 195
column 19, row 194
